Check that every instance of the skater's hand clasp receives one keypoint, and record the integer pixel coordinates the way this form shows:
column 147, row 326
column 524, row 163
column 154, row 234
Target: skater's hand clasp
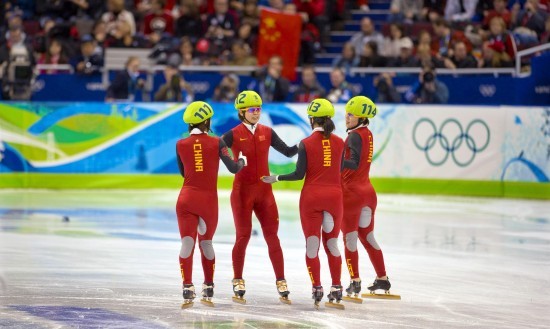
column 270, row 179
column 241, row 156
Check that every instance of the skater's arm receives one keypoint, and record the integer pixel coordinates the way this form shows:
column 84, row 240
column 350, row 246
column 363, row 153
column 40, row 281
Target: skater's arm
column 281, row 147
column 180, row 164
column 355, row 144
column 232, row 166
column 301, row 166
column 228, row 138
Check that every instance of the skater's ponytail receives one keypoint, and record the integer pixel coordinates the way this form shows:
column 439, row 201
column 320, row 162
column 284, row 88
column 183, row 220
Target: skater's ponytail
column 326, row 123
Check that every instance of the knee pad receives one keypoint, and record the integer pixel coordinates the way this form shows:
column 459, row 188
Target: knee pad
column 351, row 241
column 372, row 241
column 312, row 246
column 187, row 244
column 332, row 245
column 202, row 226
column 365, row 217
column 328, row 222
column 207, row 249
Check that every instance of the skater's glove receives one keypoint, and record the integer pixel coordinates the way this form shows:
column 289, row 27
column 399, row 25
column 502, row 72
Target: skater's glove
column 270, row 179
column 243, row 157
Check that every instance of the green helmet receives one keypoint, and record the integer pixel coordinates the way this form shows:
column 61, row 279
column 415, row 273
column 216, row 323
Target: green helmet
column 361, row 107
column 197, row 112
column 246, row 99
column 320, row 107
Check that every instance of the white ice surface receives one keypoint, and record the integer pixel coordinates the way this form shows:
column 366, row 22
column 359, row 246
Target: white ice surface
column 456, row 262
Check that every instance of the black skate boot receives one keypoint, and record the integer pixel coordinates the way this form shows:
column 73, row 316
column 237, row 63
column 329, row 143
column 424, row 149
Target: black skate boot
column 282, row 289
column 317, row 295
column 239, row 290
column 353, row 291
column 380, row 284
column 188, row 295
column 207, row 294
column 335, row 297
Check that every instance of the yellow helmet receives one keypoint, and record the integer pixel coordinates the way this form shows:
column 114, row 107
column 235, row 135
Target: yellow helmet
column 246, row 99
column 197, row 112
column 320, row 107
column 361, row 107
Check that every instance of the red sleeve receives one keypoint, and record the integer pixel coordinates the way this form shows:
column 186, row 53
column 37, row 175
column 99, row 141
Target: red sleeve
column 510, row 46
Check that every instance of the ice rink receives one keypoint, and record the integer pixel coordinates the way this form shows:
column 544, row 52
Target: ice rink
column 109, row 259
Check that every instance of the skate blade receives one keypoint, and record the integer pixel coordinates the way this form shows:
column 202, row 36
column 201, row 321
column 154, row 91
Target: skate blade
column 207, row 302
column 316, row 305
column 285, row 300
column 186, row 305
column 335, row 305
column 381, row 296
column 239, row 300
column 353, row 299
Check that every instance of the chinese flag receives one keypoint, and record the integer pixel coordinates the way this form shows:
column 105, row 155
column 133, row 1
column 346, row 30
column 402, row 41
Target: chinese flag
column 280, row 35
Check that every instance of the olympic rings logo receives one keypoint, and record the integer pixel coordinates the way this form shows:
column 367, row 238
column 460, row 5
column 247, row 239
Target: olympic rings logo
column 458, row 146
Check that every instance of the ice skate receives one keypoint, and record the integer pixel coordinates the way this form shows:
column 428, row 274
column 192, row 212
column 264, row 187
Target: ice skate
column 352, row 292
column 188, row 295
column 239, row 290
column 282, row 289
column 379, row 284
column 317, row 295
column 335, row 298
column 207, row 294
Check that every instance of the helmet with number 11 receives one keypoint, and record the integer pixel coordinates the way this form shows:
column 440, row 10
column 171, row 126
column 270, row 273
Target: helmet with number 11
column 197, row 113
column 361, row 107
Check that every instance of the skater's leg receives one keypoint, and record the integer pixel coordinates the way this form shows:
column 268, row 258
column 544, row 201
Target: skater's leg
column 268, row 216
column 311, row 225
column 366, row 236
column 241, row 204
column 331, row 229
column 350, row 225
column 187, row 223
column 206, row 230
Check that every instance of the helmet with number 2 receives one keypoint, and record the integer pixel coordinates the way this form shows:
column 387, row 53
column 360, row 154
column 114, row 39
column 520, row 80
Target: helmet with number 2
column 361, row 107
column 246, row 99
column 320, row 107
column 197, row 112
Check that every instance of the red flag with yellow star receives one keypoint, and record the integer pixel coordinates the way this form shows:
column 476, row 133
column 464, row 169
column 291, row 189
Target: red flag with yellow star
column 280, row 35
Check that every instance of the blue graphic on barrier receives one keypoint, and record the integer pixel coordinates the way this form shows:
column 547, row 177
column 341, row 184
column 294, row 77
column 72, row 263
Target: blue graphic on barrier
column 536, row 170
column 450, row 145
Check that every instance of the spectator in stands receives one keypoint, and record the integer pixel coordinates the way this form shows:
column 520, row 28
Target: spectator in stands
column 499, row 34
column 175, row 89
column 99, row 33
column 186, row 54
column 248, row 35
column 227, row 90
column 55, row 55
column 392, row 45
column 370, row 56
column 499, row 10
column 532, row 18
column 59, row 9
column 494, row 56
column 367, row 33
column 251, row 14
column 240, row 55
column 88, row 61
column 460, row 10
column 405, row 58
column 15, row 52
column 126, row 82
column 433, row 10
column 461, row 59
column 116, row 12
column 425, row 57
column 310, row 42
column 315, row 10
column 272, row 86
column 406, row 11
column 482, row 9
column 310, row 88
column 222, row 26
column 387, row 93
column 424, row 37
column 545, row 36
column 443, row 44
column 122, row 37
column 347, row 59
column 189, row 23
column 158, row 22
column 341, row 91
column 428, row 90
